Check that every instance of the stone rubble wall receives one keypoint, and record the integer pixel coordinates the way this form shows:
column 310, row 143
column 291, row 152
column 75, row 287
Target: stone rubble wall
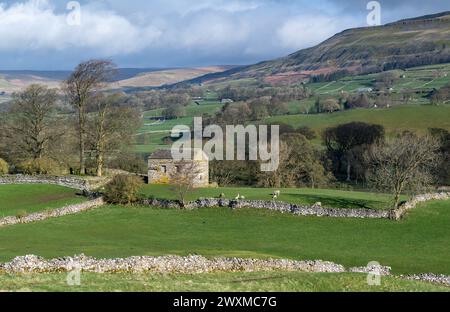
column 71, row 182
column 315, row 210
column 194, row 264
column 78, row 183
column 429, row 277
column 399, row 213
column 53, row 213
column 165, row 264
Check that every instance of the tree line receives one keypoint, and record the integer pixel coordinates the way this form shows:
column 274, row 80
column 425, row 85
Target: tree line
column 39, row 135
column 354, row 155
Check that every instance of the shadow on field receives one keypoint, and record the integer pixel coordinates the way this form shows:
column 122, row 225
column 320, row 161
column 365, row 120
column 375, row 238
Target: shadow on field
column 339, row 202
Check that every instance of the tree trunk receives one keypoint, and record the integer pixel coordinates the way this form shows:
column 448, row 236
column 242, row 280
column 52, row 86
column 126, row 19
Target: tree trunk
column 349, row 171
column 82, row 142
column 100, row 163
column 396, row 200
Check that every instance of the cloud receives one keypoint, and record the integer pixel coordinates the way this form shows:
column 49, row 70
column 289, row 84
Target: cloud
column 35, row 25
column 156, row 33
column 302, row 31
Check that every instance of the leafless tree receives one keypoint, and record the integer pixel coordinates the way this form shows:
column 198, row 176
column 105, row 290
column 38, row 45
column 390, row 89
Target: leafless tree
column 87, row 79
column 110, row 127
column 299, row 165
column 32, row 123
column 183, row 179
column 402, row 164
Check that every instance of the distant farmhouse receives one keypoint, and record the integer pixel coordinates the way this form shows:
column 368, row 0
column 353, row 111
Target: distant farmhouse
column 365, row 90
column 162, row 168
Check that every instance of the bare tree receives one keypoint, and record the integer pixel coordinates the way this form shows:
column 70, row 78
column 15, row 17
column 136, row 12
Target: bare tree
column 87, row 79
column 222, row 172
column 300, row 165
column 183, row 179
column 402, row 164
column 32, row 121
column 110, row 127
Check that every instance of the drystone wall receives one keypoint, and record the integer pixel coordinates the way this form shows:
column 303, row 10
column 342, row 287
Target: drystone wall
column 301, row 210
column 71, row 182
column 193, row 264
column 400, row 212
column 52, row 213
column 314, row 210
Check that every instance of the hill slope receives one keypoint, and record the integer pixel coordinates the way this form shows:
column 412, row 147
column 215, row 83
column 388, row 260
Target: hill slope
column 169, row 76
column 126, row 78
column 407, row 43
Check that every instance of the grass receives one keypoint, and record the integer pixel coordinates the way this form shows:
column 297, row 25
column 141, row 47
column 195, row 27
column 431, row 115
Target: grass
column 417, row 78
column 166, row 125
column 328, row 198
column 154, row 132
column 31, row 198
column 418, row 118
column 417, row 244
column 146, row 143
column 222, row 282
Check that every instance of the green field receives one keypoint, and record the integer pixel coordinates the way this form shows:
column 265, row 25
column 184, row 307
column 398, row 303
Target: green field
column 418, row 78
column 415, row 116
column 33, row 198
column 328, row 198
column 417, row 244
column 221, row 282
column 193, row 110
column 397, row 119
column 153, row 132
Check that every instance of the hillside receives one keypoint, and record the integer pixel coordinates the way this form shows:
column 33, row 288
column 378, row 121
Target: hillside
column 126, row 78
column 164, row 77
column 407, row 43
column 12, row 81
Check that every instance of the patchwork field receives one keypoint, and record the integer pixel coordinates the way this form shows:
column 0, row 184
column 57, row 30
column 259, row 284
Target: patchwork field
column 27, row 199
column 151, row 135
column 417, row 116
column 417, row 244
column 222, row 282
column 417, row 78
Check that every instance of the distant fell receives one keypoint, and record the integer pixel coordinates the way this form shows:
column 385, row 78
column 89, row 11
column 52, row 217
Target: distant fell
column 407, row 43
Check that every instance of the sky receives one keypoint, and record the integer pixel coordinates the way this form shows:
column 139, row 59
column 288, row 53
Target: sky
column 58, row 34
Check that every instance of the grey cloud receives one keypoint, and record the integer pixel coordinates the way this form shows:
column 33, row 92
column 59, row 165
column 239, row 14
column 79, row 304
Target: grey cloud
column 167, row 33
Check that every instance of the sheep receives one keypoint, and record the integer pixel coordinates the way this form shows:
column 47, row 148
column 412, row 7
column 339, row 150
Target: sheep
column 275, row 195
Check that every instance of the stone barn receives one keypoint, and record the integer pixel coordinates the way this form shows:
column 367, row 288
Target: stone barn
column 162, row 167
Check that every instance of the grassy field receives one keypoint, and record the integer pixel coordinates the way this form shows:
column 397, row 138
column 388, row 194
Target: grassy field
column 223, row 282
column 34, row 198
column 328, row 198
column 415, row 116
column 417, row 244
column 153, row 132
column 417, row 78
column 418, row 118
